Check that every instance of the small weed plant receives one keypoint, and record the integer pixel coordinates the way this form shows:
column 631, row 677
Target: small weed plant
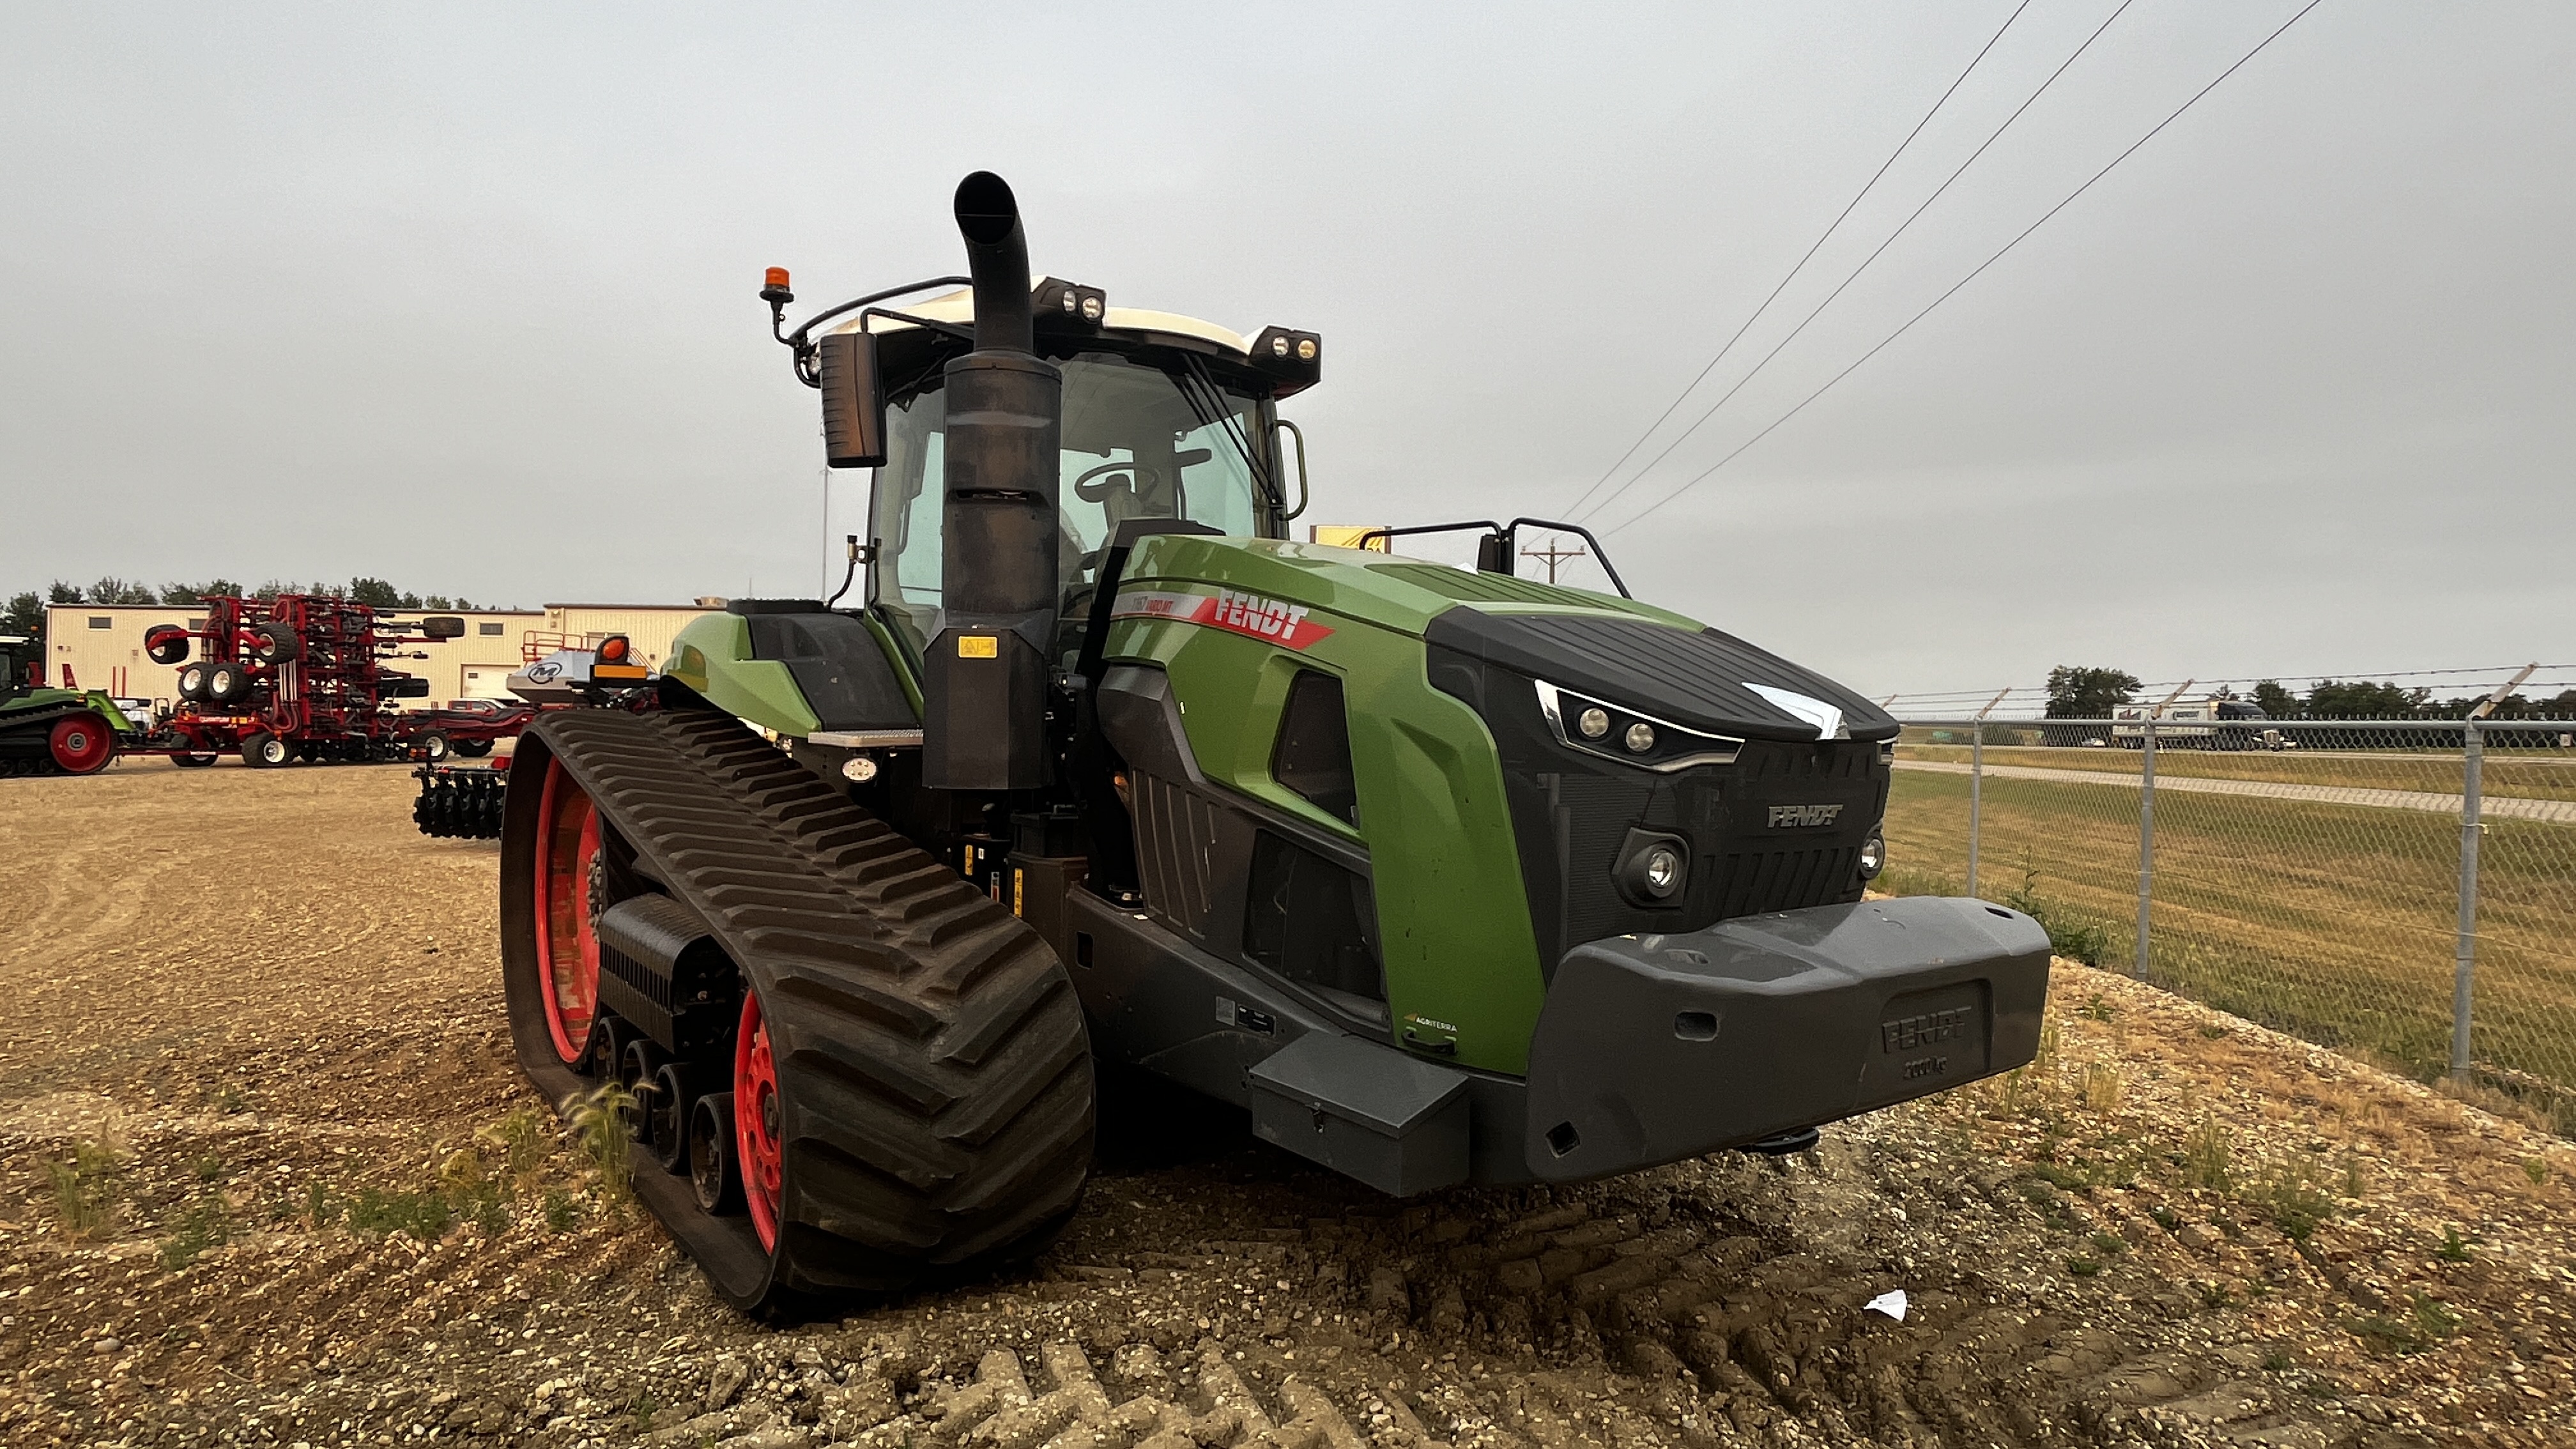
column 2102, row 1087
column 206, row 1225
column 2206, row 1157
column 2073, row 939
column 603, row 1131
column 522, row 1141
column 84, row 1188
column 2428, row 1323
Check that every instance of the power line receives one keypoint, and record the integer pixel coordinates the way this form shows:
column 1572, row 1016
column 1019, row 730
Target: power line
column 1694, row 479
column 1901, row 227
column 1802, row 261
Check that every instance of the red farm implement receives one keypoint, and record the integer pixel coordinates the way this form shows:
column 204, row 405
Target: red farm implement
column 296, row 677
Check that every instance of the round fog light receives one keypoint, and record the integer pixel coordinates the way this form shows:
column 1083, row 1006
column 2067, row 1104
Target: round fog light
column 858, row 769
column 1306, row 349
column 1873, row 857
column 1594, row 723
column 1091, row 309
column 1641, row 737
column 1663, row 871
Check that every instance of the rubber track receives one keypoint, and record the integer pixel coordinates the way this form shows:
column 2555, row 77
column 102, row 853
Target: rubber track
column 931, row 1052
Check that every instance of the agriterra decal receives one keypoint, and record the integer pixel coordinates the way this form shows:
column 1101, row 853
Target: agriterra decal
column 1275, row 620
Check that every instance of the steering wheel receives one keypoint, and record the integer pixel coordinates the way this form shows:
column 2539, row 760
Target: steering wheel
column 1088, row 493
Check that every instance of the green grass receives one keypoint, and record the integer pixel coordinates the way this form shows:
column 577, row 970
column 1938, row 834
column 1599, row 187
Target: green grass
column 2334, row 923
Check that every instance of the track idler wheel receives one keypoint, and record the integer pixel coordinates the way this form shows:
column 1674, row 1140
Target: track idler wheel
column 81, row 744
column 667, row 1112
column 636, row 1070
column 715, row 1174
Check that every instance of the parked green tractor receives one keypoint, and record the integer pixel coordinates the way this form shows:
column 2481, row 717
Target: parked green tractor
column 51, row 731
column 1439, row 876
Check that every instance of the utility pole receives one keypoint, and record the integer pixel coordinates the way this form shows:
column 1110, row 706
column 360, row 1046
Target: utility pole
column 1555, row 553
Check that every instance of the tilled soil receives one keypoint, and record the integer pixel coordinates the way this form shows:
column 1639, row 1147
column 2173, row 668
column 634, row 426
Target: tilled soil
column 267, row 1176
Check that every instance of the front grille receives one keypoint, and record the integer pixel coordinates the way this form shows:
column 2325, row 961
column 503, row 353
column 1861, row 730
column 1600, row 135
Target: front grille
column 1752, row 882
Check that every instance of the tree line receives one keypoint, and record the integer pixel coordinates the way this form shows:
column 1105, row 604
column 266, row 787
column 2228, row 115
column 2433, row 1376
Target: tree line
column 2076, row 692
column 24, row 613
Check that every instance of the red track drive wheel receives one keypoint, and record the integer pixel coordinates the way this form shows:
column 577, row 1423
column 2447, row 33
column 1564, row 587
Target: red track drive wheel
column 82, row 743
column 567, row 944
column 756, row 1120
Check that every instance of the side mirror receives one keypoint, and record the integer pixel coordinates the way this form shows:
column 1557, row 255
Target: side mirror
column 442, row 626
column 853, row 400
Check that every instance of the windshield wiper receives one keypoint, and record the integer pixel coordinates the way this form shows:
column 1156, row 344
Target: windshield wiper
column 1211, row 410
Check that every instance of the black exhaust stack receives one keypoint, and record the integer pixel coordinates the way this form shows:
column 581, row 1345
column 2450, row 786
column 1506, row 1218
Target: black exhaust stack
column 984, row 704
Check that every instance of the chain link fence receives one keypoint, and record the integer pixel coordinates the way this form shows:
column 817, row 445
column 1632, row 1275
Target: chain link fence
column 2402, row 890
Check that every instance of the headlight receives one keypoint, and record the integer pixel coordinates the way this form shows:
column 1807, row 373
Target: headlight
column 1663, row 871
column 1612, row 731
column 1873, row 857
column 1653, row 868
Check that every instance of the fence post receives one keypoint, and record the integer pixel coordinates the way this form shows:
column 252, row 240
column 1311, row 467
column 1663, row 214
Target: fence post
column 1976, row 778
column 1976, row 782
column 2465, row 966
column 2146, row 833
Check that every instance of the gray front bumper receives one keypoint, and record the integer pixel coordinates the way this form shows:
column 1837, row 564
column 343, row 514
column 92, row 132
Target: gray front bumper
column 1655, row 1048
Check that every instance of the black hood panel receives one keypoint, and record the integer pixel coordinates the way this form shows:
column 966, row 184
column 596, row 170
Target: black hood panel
column 1691, row 679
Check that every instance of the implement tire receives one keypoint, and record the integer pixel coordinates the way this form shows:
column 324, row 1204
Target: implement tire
column 925, row 1093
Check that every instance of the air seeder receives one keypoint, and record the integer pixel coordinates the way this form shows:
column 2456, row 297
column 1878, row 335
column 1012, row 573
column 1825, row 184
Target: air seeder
column 1443, row 876
column 295, row 677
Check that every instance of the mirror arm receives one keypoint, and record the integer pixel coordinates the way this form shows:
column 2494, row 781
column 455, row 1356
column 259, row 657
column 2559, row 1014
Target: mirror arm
column 1305, row 491
column 800, row 341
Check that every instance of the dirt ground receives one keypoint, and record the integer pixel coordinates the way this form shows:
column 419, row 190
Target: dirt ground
column 267, row 1176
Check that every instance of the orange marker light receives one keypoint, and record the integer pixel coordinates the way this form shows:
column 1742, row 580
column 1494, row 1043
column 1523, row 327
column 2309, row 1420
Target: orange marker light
column 613, row 649
column 777, row 277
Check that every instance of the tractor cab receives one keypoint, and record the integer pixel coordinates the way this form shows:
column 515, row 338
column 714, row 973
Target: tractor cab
column 1164, row 417
column 15, row 673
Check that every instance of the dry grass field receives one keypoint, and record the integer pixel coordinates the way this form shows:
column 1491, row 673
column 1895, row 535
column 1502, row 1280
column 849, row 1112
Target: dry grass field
column 2336, row 923
column 268, row 1177
column 2530, row 774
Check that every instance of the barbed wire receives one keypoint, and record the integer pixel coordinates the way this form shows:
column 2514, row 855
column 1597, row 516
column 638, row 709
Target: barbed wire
column 2020, row 694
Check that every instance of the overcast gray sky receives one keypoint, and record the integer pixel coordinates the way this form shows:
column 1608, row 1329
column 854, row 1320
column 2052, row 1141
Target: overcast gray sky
column 463, row 297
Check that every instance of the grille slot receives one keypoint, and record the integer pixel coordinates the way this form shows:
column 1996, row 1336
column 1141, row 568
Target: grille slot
column 1176, row 855
column 1752, row 882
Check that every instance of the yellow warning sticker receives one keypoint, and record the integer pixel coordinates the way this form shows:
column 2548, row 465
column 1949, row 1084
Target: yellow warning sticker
column 978, row 646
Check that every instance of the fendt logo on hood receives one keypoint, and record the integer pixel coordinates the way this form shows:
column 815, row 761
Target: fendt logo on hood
column 1795, row 817
column 1236, row 612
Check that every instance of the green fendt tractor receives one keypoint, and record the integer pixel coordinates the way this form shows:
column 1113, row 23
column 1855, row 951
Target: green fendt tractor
column 51, row 731
column 1443, row 876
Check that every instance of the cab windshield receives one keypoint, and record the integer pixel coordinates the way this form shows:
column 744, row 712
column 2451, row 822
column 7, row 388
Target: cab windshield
column 1139, row 441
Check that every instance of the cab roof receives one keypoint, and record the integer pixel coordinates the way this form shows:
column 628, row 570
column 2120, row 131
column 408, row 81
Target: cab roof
column 958, row 307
